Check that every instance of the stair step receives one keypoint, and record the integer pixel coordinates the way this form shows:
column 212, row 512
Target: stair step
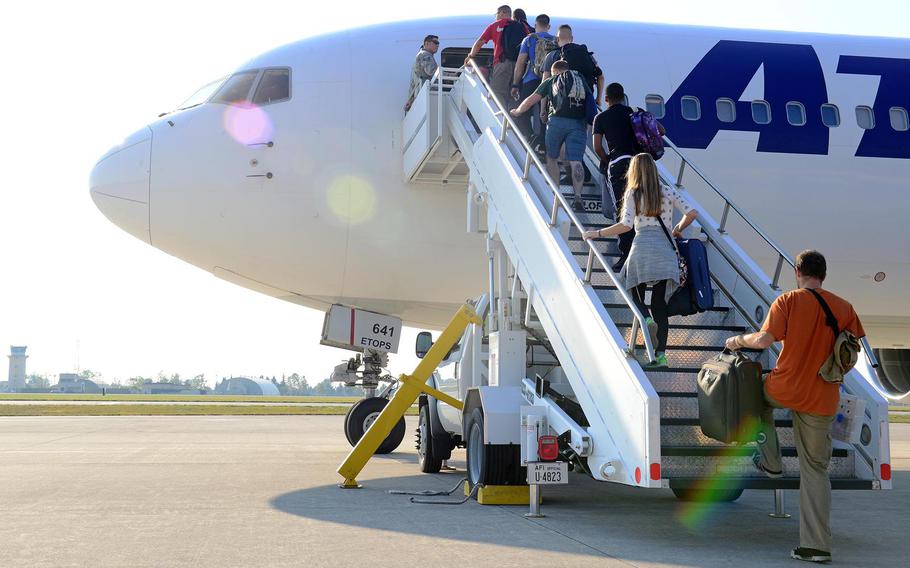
column 676, row 383
column 730, row 328
column 582, row 258
column 781, row 423
column 737, row 451
column 720, row 466
column 687, row 436
column 704, row 348
column 622, row 314
column 685, row 405
column 716, row 309
column 766, row 483
column 568, row 193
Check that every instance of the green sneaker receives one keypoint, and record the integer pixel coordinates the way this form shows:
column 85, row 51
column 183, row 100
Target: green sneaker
column 658, row 363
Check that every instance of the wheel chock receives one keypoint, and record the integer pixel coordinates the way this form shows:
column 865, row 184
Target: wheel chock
column 502, row 494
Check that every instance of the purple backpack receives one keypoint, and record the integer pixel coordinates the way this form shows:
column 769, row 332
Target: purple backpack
column 647, row 133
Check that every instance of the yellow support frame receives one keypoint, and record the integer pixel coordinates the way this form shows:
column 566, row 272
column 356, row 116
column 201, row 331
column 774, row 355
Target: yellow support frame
column 410, row 387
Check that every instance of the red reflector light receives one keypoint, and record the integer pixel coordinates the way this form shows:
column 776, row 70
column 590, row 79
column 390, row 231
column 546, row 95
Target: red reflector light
column 637, row 475
column 655, row 471
column 886, row 472
column 547, row 448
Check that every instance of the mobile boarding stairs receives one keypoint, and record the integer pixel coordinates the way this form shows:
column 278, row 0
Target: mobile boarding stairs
column 560, row 333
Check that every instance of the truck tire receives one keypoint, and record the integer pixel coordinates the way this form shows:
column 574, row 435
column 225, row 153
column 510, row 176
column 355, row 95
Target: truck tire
column 362, row 414
column 427, row 457
column 708, row 496
column 491, row 464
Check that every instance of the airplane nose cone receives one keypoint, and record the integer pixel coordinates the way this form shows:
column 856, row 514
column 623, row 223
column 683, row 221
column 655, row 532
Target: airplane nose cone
column 120, row 184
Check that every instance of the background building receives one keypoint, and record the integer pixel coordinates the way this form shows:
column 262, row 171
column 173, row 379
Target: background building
column 246, row 386
column 17, row 359
column 73, row 383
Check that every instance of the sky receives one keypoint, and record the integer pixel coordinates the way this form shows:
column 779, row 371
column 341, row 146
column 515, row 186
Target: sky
column 79, row 76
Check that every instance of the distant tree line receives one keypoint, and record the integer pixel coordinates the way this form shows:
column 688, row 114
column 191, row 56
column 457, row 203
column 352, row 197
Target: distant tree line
column 294, row 384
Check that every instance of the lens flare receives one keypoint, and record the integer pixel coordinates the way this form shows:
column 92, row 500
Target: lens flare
column 247, row 123
column 708, row 495
column 351, row 199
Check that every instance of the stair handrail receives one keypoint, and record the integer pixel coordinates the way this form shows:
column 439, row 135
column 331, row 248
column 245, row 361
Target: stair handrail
column 559, row 201
column 729, row 204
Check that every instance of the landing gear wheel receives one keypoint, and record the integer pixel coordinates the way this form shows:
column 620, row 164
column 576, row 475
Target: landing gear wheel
column 491, row 464
column 347, row 429
column 362, row 415
column 708, row 495
column 426, row 455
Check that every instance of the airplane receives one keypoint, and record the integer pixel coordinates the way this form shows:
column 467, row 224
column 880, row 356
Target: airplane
column 285, row 177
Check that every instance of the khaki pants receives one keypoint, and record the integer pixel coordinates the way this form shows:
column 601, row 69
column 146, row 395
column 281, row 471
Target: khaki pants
column 501, row 82
column 813, row 444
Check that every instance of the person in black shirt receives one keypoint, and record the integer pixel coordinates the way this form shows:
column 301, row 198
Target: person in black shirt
column 614, row 126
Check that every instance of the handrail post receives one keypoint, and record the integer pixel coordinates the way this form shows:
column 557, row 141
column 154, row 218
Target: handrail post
column 505, row 127
column 723, row 218
column 555, row 212
column 589, row 268
column 780, row 266
column 527, row 166
column 682, row 170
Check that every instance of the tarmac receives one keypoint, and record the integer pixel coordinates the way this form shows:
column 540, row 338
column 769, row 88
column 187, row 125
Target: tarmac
column 261, row 491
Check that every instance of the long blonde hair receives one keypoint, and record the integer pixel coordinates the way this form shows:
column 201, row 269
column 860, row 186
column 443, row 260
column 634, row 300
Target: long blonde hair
column 643, row 186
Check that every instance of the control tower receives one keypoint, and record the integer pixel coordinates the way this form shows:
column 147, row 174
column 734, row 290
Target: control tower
column 17, row 359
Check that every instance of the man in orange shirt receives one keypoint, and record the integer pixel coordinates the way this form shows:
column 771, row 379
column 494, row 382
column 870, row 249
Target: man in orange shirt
column 798, row 321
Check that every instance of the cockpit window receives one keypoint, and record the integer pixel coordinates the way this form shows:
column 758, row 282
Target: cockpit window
column 202, row 95
column 274, row 86
column 237, row 88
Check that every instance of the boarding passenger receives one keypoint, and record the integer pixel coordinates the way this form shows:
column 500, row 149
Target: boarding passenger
column 615, row 127
column 506, row 35
column 648, row 209
column 424, row 67
column 519, row 15
column 579, row 58
column 527, row 76
column 798, row 320
column 568, row 94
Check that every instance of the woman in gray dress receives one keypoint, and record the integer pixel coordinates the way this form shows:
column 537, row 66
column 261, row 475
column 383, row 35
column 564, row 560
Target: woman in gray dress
column 652, row 261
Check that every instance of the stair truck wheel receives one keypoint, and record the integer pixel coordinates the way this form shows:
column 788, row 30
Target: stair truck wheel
column 708, row 495
column 491, row 464
column 427, row 457
column 362, row 415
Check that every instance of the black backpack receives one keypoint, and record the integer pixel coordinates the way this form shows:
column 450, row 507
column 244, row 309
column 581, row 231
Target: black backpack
column 579, row 59
column 511, row 38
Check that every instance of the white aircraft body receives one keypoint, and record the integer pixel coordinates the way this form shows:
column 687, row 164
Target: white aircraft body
column 303, row 198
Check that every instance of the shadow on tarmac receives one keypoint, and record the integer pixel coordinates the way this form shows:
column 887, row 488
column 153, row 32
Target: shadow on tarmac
column 602, row 519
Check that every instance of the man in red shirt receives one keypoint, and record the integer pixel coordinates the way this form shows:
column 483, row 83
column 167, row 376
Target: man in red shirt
column 501, row 78
column 797, row 319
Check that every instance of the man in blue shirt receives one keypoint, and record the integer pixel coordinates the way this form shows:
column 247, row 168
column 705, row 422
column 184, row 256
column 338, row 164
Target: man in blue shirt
column 525, row 80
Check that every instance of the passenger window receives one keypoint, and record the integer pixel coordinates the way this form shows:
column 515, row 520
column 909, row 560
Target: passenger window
column 796, row 114
column 236, row 88
column 830, row 115
column 899, row 119
column 761, row 112
column 865, row 118
column 726, row 110
column 690, row 107
column 655, row 105
column 274, row 86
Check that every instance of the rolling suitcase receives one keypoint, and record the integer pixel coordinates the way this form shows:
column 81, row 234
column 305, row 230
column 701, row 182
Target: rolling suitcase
column 730, row 398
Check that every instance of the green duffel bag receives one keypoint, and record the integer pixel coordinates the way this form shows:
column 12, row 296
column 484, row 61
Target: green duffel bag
column 730, row 398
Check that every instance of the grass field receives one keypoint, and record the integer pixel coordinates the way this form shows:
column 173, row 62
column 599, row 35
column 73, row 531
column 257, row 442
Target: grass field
column 127, row 409
column 178, row 398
